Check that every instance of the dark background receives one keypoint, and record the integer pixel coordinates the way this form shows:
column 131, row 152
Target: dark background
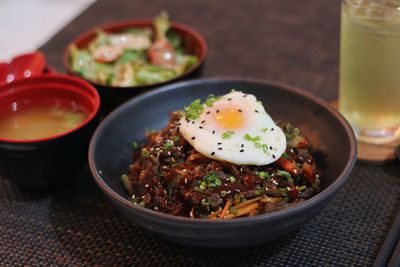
column 294, row 42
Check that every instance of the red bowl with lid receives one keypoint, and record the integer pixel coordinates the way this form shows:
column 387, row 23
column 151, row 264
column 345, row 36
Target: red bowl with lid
column 42, row 161
column 22, row 66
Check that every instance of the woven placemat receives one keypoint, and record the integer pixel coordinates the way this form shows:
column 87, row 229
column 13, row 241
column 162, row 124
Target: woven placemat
column 277, row 40
column 76, row 226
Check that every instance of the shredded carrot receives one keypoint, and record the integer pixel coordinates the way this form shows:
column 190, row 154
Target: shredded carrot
column 226, row 208
column 242, row 211
column 247, row 202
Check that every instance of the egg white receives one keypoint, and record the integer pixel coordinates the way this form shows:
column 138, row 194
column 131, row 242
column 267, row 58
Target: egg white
column 207, row 136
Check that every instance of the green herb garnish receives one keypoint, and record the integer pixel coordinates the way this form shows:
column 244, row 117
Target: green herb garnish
column 211, row 99
column 227, row 135
column 285, row 155
column 210, row 181
column 203, row 186
column 167, row 145
column 175, row 138
column 194, row 110
column 290, row 131
column 135, row 145
column 264, row 129
column 145, row 152
column 205, row 201
column 265, row 148
column 256, row 138
column 264, row 175
column 248, row 137
column 258, row 145
column 232, row 179
column 286, row 175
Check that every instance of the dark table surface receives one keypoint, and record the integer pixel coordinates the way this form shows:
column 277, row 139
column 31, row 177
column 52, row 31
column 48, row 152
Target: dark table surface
column 294, row 42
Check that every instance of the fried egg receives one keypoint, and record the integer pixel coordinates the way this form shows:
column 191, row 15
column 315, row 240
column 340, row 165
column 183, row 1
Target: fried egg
column 233, row 128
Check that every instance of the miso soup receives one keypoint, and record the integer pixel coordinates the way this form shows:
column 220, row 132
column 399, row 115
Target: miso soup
column 35, row 118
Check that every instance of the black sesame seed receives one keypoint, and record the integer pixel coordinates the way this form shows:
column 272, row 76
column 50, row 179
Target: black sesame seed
column 203, row 121
column 193, row 137
column 192, row 122
column 212, row 153
column 239, row 110
column 257, row 111
column 270, row 147
column 200, row 127
column 179, row 124
column 217, row 110
column 244, row 95
column 229, row 99
column 208, row 112
column 242, row 145
column 241, row 150
column 273, row 156
column 213, row 132
column 219, row 143
column 272, row 129
column 220, row 148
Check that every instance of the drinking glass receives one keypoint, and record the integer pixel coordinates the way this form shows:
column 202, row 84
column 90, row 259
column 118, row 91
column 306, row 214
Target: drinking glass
column 369, row 71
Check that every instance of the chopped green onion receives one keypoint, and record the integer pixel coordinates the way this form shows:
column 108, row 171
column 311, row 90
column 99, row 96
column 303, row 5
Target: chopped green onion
column 227, row 135
column 232, row 179
column 265, row 148
column 194, row 110
column 264, row 175
column 290, row 131
column 203, row 186
column 211, row 99
column 167, row 145
column 248, row 137
column 175, row 138
column 135, row 145
column 256, row 139
column 264, row 129
column 210, row 181
column 286, row 175
column 285, row 155
column 205, row 201
column 145, row 152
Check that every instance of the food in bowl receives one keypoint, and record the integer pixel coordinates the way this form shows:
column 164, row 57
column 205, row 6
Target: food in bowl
column 222, row 159
column 133, row 57
column 38, row 117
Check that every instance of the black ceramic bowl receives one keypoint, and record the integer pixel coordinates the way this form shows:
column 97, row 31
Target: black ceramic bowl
column 332, row 138
column 40, row 163
column 192, row 41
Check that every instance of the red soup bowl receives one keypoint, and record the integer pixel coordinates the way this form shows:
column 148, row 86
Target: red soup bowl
column 192, row 41
column 48, row 160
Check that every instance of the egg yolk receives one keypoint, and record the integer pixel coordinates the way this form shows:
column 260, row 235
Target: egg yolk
column 230, row 118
